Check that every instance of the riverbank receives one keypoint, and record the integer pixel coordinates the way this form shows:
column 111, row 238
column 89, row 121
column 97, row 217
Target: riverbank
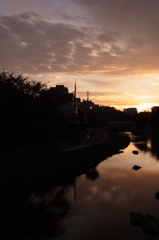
column 60, row 140
column 19, row 175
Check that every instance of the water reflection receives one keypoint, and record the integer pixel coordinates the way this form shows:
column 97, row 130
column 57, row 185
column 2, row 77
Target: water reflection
column 148, row 223
column 94, row 205
column 34, row 216
column 92, row 174
column 147, row 144
column 102, row 208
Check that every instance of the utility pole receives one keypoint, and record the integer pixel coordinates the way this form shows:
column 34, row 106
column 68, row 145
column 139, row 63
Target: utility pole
column 87, row 100
column 87, row 96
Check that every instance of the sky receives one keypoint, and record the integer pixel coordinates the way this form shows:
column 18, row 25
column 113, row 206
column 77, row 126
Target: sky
column 109, row 46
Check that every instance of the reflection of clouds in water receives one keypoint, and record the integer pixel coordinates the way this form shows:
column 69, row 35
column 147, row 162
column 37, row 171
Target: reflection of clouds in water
column 117, row 187
column 107, row 196
column 113, row 189
column 117, row 181
column 122, row 198
column 103, row 193
column 94, row 189
column 104, row 204
column 127, row 160
column 117, row 194
column 87, row 198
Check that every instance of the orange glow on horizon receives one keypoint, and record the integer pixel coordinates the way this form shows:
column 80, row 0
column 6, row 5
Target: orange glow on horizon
column 119, row 102
column 144, row 107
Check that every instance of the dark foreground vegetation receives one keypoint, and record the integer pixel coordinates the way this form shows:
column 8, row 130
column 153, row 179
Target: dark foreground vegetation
column 35, row 133
column 30, row 117
column 35, row 137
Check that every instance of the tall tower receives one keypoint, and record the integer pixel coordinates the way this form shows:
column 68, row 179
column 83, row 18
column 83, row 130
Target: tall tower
column 75, row 103
column 75, row 88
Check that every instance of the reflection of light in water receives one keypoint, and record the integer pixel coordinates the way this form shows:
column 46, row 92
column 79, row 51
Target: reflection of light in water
column 94, row 189
column 127, row 160
column 107, row 196
column 131, row 147
column 103, row 205
column 148, row 144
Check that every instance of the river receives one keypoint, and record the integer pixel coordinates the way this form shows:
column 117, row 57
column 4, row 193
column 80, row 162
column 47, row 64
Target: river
column 96, row 205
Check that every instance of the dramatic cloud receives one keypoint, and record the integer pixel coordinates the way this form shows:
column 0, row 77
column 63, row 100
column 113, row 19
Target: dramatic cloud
column 107, row 42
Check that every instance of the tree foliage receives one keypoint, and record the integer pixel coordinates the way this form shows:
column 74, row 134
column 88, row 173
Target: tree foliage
column 12, row 81
column 26, row 115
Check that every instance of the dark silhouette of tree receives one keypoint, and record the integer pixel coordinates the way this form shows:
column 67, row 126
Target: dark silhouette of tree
column 28, row 112
column 35, row 216
column 92, row 174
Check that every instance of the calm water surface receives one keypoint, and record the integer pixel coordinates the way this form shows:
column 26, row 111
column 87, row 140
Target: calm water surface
column 93, row 206
column 102, row 200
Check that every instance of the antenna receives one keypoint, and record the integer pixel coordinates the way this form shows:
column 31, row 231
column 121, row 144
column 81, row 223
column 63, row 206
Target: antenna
column 87, row 96
column 75, row 88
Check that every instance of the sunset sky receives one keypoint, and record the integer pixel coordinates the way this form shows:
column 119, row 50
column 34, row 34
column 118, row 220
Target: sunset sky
column 111, row 47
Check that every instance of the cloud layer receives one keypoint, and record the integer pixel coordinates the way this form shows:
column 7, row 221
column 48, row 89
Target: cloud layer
column 80, row 38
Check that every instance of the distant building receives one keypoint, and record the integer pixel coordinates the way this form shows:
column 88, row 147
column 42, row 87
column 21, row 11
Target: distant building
column 77, row 104
column 130, row 111
column 86, row 106
column 155, row 109
column 61, row 92
column 66, row 100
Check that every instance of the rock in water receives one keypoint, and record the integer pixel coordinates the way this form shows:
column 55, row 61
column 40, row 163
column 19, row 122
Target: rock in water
column 157, row 195
column 136, row 218
column 135, row 152
column 136, row 167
